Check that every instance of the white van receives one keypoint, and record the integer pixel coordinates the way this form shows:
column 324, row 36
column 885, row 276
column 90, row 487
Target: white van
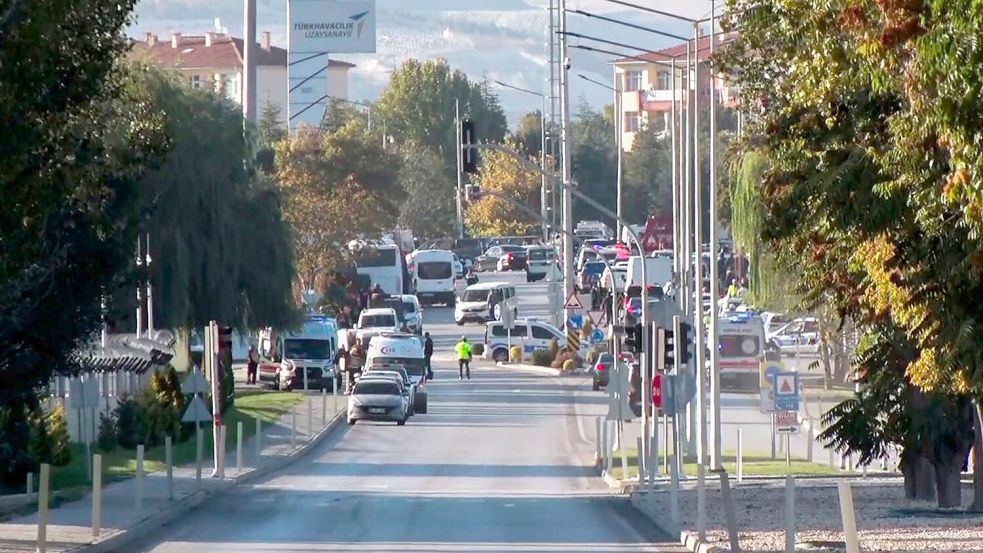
column 292, row 359
column 528, row 334
column 741, row 347
column 473, row 305
column 539, row 259
column 659, row 271
column 392, row 349
column 382, row 263
column 433, row 276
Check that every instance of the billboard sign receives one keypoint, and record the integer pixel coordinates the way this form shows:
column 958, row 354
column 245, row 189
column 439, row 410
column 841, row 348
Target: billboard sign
column 333, row 26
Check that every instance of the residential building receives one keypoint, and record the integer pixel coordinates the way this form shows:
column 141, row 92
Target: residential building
column 214, row 61
column 646, row 86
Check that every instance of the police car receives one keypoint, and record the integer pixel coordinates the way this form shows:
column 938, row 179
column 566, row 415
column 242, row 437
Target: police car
column 528, row 334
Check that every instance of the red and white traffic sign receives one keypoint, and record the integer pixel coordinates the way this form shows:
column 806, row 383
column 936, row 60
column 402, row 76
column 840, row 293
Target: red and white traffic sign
column 573, row 302
column 787, row 422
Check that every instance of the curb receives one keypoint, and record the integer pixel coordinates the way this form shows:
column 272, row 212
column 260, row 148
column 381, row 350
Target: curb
column 547, row 371
column 122, row 540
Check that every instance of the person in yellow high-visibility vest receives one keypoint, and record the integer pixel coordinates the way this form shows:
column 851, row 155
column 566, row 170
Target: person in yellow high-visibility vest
column 463, row 357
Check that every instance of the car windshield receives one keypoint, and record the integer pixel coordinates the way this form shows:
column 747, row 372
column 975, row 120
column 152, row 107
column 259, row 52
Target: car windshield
column 594, row 268
column 377, row 258
column 433, row 270
column 537, row 254
column 306, row 349
column 369, row 321
column 414, row 367
column 475, row 295
column 736, row 345
column 376, row 387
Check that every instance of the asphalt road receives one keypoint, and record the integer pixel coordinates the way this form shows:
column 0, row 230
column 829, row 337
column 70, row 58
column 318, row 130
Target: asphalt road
column 500, row 463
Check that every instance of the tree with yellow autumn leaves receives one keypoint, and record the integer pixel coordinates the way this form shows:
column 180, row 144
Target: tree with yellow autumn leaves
column 504, row 174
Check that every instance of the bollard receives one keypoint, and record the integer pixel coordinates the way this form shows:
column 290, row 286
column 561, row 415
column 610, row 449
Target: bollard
column 259, row 440
column 788, row 450
column 30, row 483
column 884, row 462
column 608, row 446
column 223, row 442
column 324, row 406
column 674, row 491
column 811, row 437
column 665, row 448
column 729, row 515
column 864, row 470
column 334, row 392
column 198, row 460
column 740, row 455
column 305, row 379
column 624, row 455
column 138, row 481
column 239, row 447
column 849, row 516
column 169, row 463
column 701, row 501
column 43, row 492
column 293, row 429
column 597, row 441
column 310, row 418
column 832, row 458
column 640, row 462
column 789, row 514
column 652, row 467
column 773, row 440
column 96, row 494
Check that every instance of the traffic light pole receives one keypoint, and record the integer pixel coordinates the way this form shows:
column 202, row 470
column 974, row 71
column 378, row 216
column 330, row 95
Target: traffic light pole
column 460, row 169
column 569, row 189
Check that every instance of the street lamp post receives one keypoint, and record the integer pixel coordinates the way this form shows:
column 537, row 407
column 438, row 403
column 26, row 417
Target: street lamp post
column 542, row 154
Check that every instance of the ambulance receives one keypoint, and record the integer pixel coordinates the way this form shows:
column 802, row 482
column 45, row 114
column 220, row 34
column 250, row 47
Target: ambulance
column 740, row 350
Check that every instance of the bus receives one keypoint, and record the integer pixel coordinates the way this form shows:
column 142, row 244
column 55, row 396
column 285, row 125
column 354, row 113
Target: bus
column 382, row 263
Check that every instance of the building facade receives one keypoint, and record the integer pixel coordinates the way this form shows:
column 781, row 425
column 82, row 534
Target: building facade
column 214, row 61
column 646, row 88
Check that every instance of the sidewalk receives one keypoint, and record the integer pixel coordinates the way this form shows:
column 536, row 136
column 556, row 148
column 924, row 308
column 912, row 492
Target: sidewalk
column 70, row 525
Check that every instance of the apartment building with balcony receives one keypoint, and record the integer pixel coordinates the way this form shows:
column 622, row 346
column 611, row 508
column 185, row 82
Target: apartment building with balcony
column 215, row 61
column 646, row 86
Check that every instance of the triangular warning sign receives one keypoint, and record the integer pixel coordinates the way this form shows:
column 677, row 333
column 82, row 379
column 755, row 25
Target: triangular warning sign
column 573, row 302
column 786, row 387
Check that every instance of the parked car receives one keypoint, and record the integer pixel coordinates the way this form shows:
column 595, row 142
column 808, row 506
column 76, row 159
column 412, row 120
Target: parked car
column 798, row 336
column 377, row 399
column 513, row 258
column 412, row 313
column 538, row 261
column 601, row 372
column 473, row 305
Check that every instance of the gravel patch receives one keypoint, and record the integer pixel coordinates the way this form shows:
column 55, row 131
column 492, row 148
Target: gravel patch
column 886, row 521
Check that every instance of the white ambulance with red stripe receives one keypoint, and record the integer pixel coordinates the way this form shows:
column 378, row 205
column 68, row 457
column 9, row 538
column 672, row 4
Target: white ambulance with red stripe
column 740, row 350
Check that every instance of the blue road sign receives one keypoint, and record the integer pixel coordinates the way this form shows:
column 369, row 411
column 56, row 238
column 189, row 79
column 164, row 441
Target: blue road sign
column 786, row 385
column 575, row 321
column 597, row 336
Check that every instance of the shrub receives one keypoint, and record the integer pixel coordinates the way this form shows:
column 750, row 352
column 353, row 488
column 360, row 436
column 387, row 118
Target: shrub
column 515, row 354
column 61, row 451
column 541, row 358
column 40, row 439
column 107, row 439
column 127, row 416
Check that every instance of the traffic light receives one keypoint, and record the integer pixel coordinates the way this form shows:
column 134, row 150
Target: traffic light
column 684, row 333
column 633, row 338
column 667, row 361
column 469, row 156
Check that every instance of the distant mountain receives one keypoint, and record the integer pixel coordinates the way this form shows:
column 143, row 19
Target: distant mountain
column 494, row 39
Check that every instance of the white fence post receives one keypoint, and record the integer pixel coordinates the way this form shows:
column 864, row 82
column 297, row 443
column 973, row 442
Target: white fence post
column 324, row 406
column 811, row 436
column 848, row 514
column 96, row 495
column 138, row 496
column 169, row 463
column 701, row 501
column 674, row 491
column 259, row 440
column 310, row 417
column 789, row 514
column 293, row 429
column 43, row 492
column 239, row 447
column 740, row 455
column 30, row 483
column 729, row 515
column 223, row 445
column 198, row 455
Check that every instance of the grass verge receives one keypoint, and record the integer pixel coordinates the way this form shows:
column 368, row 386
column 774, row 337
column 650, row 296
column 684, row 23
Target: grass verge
column 120, row 464
column 754, row 465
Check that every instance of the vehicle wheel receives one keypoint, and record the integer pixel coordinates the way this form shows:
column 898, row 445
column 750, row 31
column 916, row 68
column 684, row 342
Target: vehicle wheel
column 351, row 422
column 500, row 355
column 401, row 423
column 596, row 386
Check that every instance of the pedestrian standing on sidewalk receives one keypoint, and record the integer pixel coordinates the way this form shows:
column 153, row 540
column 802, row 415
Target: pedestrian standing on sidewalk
column 427, row 354
column 463, row 357
column 252, row 365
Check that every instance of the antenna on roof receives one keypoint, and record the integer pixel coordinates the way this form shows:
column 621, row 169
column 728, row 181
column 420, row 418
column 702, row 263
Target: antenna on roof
column 218, row 25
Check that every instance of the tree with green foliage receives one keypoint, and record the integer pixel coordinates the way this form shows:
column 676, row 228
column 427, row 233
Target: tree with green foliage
column 529, row 134
column 492, row 216
column 75, row 142
column 865, row 112
column 418, row 107
column 594, row 161
column 647, row 176
column 429, row 209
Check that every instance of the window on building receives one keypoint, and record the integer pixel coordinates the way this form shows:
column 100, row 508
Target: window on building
column 663, row 80
column 633, row 81
column 633, row 121
column 195, row 81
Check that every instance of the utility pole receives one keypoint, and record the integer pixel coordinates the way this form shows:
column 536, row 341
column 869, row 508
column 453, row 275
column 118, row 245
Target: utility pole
column 139, row 289
column 701, row 384
column 715, row 452
column 618, row 121
column 677, row 262
column 249, row 62
column 567, row 203
column 542, row 164
column 460, row 170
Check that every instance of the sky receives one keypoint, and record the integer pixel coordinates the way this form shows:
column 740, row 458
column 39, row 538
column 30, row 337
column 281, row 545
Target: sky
column 497, row 39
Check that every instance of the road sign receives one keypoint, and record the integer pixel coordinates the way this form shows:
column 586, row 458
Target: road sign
column 573, row 340
column 195, row 383
column 508, row 319
column 657, row 390
column 196, row 411
column 787, row 391
column 787, row 422
column 767, row 400
column 767, row 371
column 573, row 302
column 575, row 321
column 597, row 336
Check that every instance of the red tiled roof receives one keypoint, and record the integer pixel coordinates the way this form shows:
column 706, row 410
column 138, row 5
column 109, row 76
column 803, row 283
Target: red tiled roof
column 225, row 51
